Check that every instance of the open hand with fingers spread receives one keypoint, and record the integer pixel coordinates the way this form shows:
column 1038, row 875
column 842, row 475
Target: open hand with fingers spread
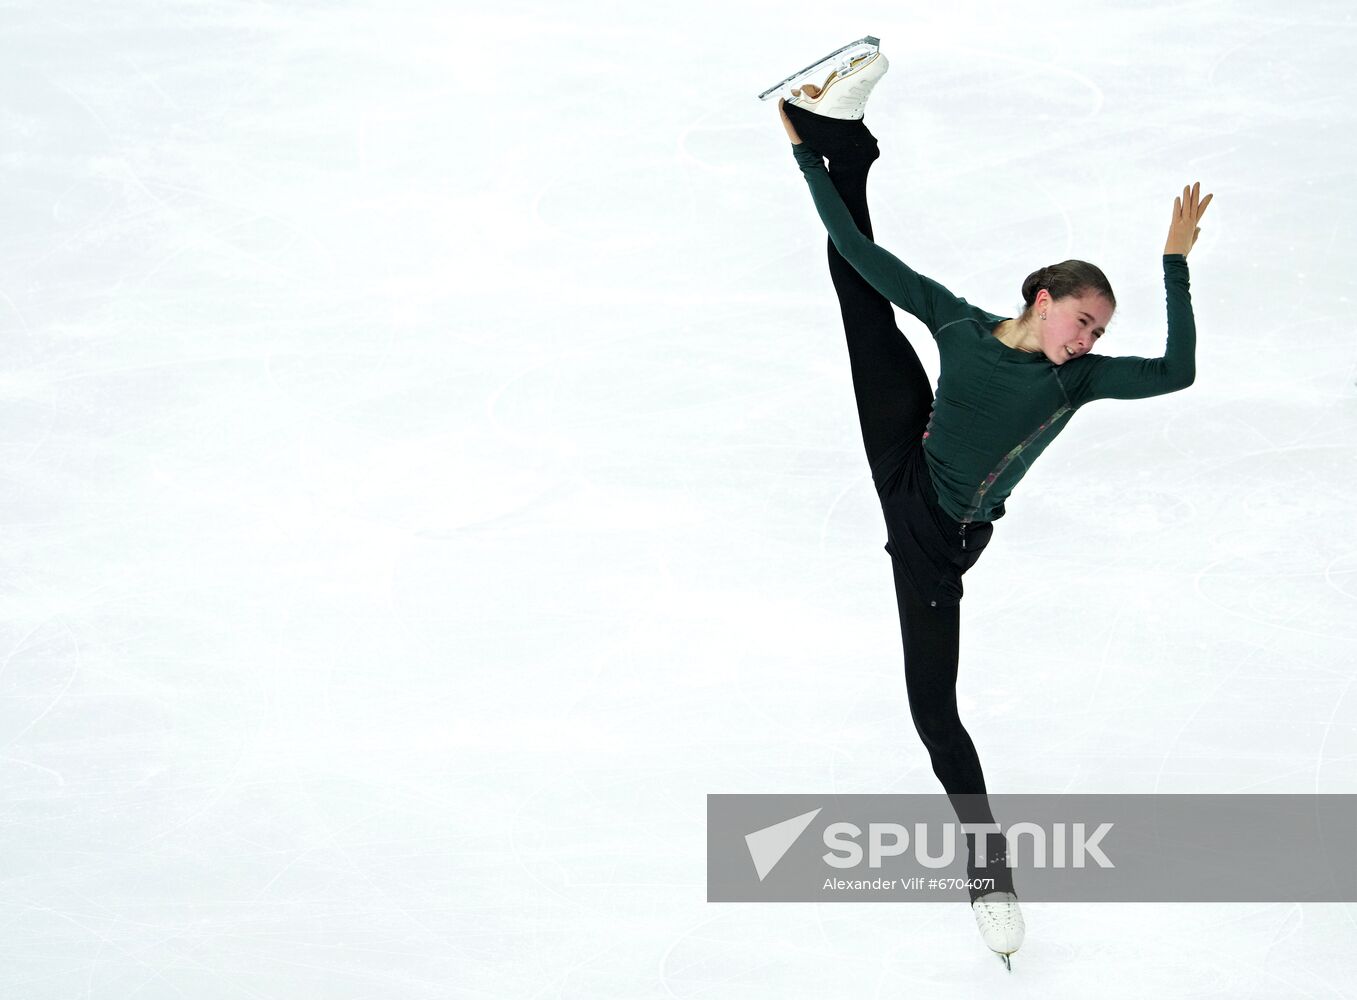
column 1187, row 212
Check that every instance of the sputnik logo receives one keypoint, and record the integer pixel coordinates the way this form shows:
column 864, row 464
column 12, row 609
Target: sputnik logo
column 767, row 846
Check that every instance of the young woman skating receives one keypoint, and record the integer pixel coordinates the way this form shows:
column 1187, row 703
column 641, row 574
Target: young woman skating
column 944, row 465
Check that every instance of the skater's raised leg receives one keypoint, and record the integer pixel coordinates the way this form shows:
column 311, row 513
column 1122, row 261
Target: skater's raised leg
column 894, row 395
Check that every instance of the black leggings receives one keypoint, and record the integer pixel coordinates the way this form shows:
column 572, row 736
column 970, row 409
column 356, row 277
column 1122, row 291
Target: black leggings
column 894, row 400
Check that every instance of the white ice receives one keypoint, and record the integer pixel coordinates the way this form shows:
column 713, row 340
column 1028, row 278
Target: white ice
column 430, row 469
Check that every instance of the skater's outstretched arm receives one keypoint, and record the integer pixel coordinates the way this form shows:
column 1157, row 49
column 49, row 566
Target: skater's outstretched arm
column 923, row 297
column 1100, row 377
column 1135, row 378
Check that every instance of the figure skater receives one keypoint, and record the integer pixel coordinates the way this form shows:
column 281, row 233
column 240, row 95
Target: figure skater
column 943, row 466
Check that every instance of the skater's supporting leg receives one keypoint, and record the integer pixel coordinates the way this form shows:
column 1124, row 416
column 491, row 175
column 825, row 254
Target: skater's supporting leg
column 894, row 396
column 932, row 651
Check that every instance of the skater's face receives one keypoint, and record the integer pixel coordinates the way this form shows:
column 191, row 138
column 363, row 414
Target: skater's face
column 1072, row 324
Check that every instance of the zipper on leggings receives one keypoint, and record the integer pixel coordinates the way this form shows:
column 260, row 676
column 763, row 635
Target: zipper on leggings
column 963, row 536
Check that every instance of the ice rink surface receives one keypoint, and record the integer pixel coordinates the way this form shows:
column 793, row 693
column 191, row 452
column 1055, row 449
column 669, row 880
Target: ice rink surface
column 430, row 469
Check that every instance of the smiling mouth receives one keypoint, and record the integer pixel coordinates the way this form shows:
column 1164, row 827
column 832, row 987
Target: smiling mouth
column 1069, row 352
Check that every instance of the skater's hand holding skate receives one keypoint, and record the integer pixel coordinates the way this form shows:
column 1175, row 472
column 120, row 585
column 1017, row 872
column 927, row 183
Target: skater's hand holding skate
column 787, row 123
column 1187, row 212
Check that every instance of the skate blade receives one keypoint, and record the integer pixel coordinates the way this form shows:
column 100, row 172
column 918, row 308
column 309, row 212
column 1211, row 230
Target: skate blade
column 1006, row 959
column 840, row 57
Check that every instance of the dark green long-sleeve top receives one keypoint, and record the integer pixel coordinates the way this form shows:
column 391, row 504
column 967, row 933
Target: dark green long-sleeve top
column 997, row 408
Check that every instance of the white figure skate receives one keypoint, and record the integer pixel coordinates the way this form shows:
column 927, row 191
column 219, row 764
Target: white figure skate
column 1000, row 922
column 853, row 71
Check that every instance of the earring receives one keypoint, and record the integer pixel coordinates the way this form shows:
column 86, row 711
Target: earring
column 1043, row 315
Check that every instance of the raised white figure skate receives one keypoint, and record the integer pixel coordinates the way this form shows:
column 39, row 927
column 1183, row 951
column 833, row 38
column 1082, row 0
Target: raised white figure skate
column 852, row 73
column 1000, row 922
